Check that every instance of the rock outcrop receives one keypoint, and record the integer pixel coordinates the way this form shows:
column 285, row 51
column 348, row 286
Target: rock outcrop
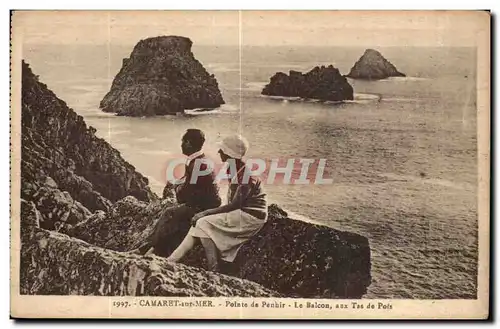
column 322, row 83
column 71, row 180
column 161, row 77
column 373, row 66
column 66, row 170
column 56, row 264
column 289, row 256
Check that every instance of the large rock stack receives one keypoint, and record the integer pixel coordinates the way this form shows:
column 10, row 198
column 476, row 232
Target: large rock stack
column 161, row 77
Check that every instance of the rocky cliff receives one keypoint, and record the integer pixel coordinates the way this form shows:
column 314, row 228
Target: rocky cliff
column 76, row 229
column 323, row 83
column 161, row 77
column 373, row 66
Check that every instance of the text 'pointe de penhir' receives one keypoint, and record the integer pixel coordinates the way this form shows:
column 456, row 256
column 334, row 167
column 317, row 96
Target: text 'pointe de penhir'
column 373, row 66
column 83, row 206
column 321, row 83
column 162, row 76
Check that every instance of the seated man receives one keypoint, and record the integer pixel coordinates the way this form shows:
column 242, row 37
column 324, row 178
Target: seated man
column 193, row 197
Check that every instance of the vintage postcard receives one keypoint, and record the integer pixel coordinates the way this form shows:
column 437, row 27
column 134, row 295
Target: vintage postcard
column 250, row 164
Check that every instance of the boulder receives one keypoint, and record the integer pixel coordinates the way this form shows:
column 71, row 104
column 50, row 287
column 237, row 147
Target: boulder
column 126, row 225
column 30, row 216
column 57, row 209
column 322, row 83
column 373, row 66
column 168, row 191
column 161, row 77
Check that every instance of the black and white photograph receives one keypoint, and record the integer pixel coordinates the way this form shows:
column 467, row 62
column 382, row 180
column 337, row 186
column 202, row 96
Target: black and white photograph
column 250, row 164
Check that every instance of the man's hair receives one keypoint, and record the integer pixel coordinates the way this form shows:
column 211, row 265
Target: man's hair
column 196, row 137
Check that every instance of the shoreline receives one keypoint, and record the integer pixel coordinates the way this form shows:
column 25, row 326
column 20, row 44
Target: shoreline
column 361, row 99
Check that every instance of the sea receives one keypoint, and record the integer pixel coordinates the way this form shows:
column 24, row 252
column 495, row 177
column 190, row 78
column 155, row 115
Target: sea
column 402, row 156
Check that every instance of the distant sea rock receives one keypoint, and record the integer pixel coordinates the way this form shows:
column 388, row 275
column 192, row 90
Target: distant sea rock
column 322, row 83
column 161, row 77
column 373, row 66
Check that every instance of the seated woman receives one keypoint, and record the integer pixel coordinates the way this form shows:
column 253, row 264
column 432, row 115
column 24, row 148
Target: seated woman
column 223, row 230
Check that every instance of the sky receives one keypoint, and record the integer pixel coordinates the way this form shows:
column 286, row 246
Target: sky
column 262, row 28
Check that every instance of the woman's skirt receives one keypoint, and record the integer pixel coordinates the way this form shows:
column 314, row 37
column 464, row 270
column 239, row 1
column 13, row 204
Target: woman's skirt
column 228, row 231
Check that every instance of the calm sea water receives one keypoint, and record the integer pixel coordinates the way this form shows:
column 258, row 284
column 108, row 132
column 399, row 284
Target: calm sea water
column 402, row 156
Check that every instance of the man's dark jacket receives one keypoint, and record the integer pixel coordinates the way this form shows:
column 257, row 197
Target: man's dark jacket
column 203, row 193
column 175, row 222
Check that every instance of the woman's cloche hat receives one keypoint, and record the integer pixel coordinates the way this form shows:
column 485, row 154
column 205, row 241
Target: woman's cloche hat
column 235, row 146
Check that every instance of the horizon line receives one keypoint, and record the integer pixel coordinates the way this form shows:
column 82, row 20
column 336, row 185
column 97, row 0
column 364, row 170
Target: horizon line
column 254, row 45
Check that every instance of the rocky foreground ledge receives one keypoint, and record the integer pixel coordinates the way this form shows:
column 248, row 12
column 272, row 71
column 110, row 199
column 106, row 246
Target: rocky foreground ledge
column 84, row 206
column 161, row 77
column 321, row 83
column 56, row 264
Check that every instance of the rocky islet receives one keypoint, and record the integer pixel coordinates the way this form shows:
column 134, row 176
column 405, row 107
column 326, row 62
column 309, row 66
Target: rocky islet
column 160, row 77
column 321, row 83
column 327, row 83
